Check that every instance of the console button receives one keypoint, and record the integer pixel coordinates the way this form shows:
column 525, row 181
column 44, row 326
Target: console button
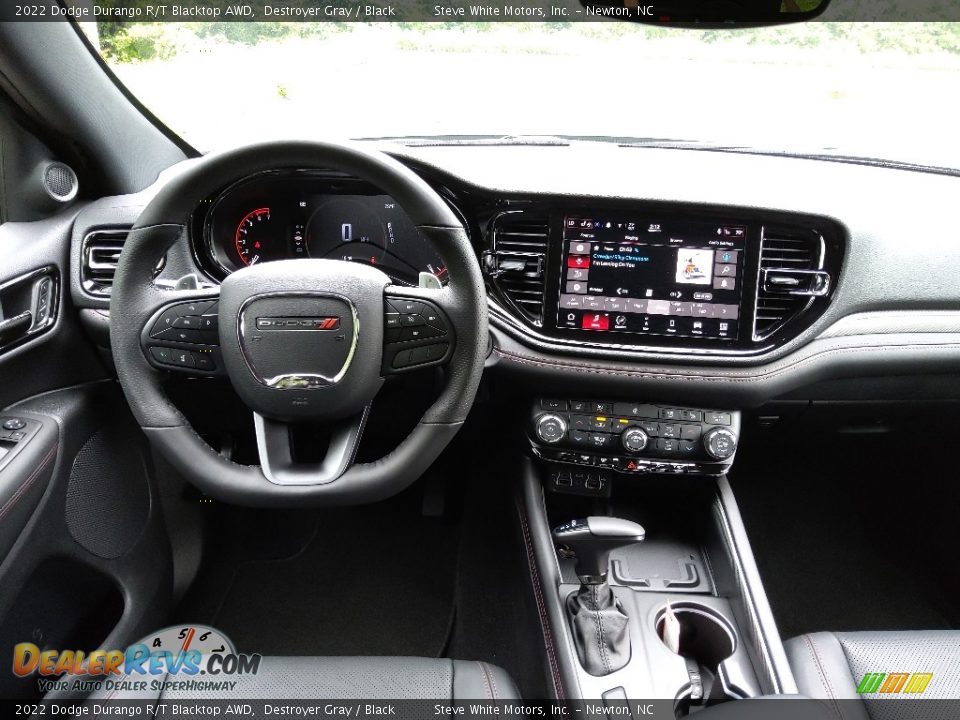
column 635, row 410
column 580, row 406
column 650, row 428
column 689, row 432
column 600, row 423
column 551, row 428
column 601, row 440
column 634, row 440
column 691, row 415
column 720, row 443
column 667, row 445
column 669, row 430
column 688, row 448
column 581, row 422
column 553, row 404
column 584, row 459
column 578, row 437
column 669, row 414
column 717, row 418
column 601, row 408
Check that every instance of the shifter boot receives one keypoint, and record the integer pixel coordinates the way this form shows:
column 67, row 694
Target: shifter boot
column 599, row 629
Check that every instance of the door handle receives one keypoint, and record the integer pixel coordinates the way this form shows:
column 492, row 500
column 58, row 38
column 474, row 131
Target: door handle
column 12, row 329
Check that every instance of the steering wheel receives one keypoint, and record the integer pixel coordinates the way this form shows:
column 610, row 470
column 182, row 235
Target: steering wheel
column 299, row 340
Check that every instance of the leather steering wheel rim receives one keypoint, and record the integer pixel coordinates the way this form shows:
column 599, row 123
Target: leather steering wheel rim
column 135, row 297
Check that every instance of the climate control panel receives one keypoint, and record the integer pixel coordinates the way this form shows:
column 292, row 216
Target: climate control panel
column 634, row 437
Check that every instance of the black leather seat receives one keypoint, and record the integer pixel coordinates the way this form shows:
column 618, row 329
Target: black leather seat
column 832, row 667
column 352, row 678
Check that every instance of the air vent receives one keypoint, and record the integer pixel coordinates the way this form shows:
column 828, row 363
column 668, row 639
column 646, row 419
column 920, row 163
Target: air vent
column 101, row 253
column 517, row 261
column 786, row 254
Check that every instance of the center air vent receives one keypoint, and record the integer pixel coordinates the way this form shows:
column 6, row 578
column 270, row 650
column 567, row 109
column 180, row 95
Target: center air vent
column 791, row 262
column 101, row 253
column 517, row 261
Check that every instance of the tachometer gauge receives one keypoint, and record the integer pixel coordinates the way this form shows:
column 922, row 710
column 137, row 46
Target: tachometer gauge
column 257, row 239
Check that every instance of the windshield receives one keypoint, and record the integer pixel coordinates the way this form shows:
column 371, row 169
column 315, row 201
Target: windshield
column 871, row 90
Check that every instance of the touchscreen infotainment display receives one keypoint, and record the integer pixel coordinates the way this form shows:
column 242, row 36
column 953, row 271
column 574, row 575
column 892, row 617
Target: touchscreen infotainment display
column 652, row 276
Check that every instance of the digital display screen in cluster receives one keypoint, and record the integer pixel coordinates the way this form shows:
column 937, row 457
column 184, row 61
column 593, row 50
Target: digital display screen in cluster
column 652, row 276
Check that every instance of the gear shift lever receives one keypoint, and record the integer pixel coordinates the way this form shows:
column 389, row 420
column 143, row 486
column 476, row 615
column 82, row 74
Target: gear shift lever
column 593, row 539
column 597, row 621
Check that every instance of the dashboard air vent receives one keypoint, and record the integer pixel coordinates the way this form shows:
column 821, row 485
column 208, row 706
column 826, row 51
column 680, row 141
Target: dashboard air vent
column 518, row 259
column 101, row 253
column 790, row 262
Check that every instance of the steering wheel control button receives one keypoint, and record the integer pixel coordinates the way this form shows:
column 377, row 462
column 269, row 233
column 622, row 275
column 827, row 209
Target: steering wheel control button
column 163, row 355
column 551, row 428
column 187, row 321
column 720, row 443
column 409, row 325
column 166, row 320
column 14, row 424
column 171, row 356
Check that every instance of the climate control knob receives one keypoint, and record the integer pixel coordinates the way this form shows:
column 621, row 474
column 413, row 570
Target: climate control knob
column 720, row 443
column 634, row 439
column 551, row 428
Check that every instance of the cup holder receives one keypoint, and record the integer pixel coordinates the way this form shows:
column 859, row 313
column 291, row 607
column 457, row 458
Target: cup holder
column 706, row 639
column 705, row 635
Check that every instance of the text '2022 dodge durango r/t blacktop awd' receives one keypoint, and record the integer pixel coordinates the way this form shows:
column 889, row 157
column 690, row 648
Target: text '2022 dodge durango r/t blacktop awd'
column 602, row 359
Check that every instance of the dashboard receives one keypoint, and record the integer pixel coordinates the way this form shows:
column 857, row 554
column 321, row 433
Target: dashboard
column 309, row 214
column 831, row 275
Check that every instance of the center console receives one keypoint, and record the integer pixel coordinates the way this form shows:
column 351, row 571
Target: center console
column 648, row 584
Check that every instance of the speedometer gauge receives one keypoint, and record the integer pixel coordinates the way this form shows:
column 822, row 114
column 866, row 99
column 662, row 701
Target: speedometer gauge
column 292, row 214
column 256, row 237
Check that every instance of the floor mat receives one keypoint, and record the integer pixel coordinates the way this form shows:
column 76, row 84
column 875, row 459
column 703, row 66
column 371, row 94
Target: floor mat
column 377, row 580
column 829, row 556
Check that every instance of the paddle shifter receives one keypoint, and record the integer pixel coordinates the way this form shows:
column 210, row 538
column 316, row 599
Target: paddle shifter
column 597, row 621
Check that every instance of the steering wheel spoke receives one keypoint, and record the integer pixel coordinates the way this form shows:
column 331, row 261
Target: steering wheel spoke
column 417, row 333
column 182, row 335
column 276, row 453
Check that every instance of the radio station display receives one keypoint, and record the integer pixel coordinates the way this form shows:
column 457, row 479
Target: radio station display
column 652, row 276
